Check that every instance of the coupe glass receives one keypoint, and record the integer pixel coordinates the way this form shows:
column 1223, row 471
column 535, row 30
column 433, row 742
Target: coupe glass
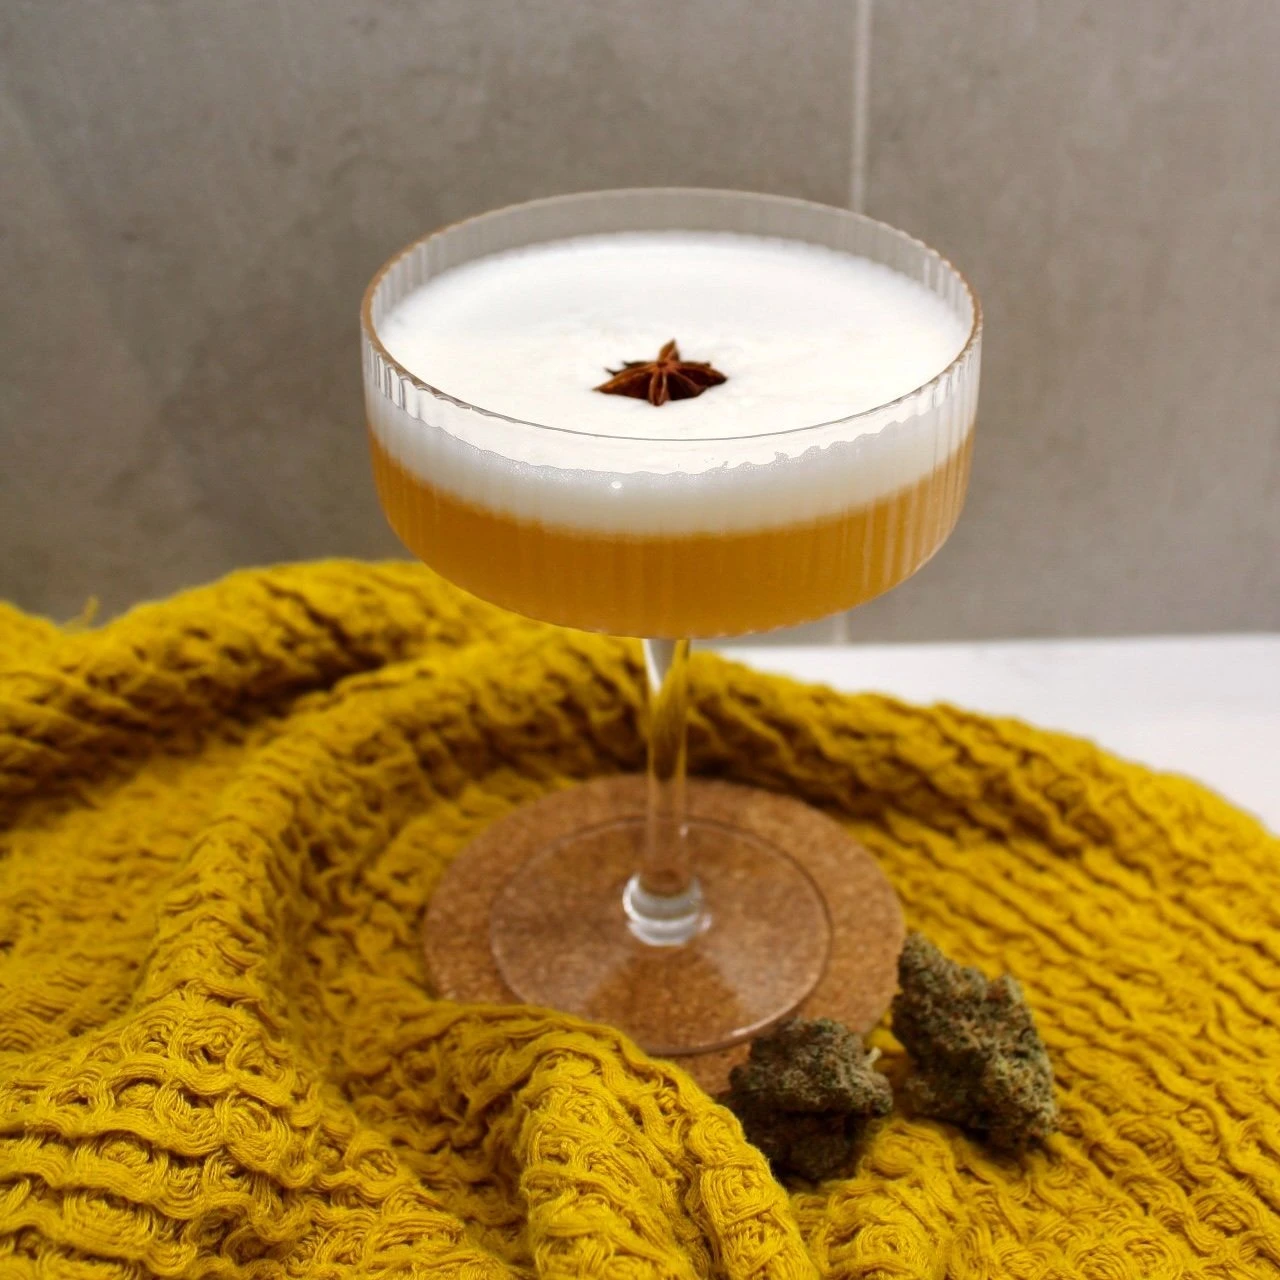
column 688, row 934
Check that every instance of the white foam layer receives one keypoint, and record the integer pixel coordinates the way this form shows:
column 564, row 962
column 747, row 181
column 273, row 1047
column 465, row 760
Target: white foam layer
column 805, row 334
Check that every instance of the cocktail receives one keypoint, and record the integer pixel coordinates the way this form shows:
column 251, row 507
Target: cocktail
column 669, row 414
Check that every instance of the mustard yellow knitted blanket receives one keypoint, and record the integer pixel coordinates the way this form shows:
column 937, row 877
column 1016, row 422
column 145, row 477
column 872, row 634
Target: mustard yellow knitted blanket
column 221, row 817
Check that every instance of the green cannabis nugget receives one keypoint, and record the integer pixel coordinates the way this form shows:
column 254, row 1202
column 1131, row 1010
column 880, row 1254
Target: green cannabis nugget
column 978, row 1059
column 806, row 1094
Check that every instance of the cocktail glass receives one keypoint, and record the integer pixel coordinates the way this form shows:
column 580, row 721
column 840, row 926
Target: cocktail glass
column 689, row 934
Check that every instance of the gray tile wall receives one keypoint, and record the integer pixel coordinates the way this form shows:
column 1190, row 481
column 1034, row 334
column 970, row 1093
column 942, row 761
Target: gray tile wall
column 194, row 195
column 1109, row 177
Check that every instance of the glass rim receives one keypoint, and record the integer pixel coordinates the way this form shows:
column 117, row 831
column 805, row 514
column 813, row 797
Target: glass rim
column 370, row 332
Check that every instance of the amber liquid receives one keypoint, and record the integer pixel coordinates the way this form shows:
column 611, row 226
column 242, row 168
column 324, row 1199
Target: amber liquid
column 675, row 585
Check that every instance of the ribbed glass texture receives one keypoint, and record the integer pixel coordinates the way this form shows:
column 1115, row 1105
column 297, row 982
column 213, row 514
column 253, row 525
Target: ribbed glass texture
column 741, row 534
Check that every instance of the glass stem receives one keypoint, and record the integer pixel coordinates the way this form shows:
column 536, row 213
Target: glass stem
column 663, row 899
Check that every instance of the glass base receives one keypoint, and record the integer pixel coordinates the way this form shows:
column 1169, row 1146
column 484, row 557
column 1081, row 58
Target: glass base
column 566, row 934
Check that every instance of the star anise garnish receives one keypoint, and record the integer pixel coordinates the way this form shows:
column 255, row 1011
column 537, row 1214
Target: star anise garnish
column 666, row 378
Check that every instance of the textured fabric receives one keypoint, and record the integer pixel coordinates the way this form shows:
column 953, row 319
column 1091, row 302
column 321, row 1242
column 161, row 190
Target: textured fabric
column 223, row 815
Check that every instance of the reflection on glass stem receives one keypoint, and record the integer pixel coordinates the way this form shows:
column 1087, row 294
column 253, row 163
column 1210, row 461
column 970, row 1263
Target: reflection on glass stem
column 663, row 900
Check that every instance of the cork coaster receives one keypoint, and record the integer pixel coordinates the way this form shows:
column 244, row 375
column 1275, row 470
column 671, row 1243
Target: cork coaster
column 867, row 928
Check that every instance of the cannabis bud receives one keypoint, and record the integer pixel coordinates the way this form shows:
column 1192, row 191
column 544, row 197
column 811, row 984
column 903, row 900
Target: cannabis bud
column 806, row 1094
column 978, row 1059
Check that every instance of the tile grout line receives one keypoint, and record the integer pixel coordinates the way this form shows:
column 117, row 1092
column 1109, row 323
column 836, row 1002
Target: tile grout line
column 842, row 629
column 860, row 106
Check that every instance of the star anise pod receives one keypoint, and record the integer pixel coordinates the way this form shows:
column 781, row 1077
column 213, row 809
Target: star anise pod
column 666, row 378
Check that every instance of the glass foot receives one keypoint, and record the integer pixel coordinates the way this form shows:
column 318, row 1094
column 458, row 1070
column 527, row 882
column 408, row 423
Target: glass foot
column 566, row 934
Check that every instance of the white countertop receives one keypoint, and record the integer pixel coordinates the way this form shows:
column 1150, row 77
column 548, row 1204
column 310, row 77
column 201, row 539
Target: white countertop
column 1204, row 706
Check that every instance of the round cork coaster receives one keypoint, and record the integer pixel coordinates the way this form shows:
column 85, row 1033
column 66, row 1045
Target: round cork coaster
column 867, row 927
